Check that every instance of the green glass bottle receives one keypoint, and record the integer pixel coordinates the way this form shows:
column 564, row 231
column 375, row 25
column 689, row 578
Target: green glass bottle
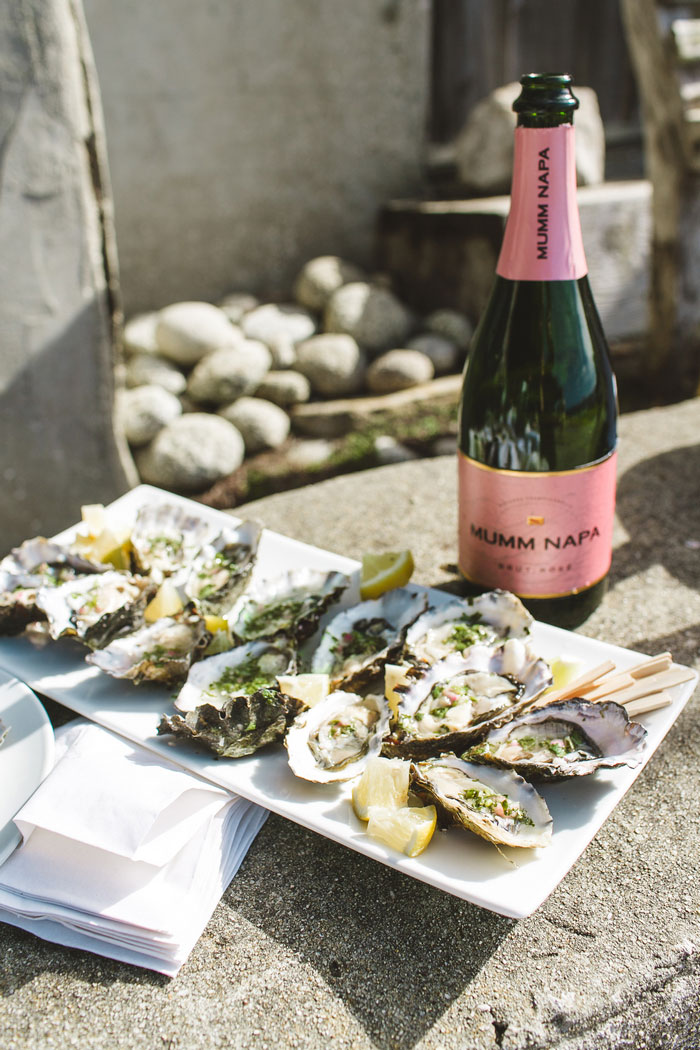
column 538, row 415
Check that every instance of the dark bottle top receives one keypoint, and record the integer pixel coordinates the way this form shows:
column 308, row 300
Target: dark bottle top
column 538, row 411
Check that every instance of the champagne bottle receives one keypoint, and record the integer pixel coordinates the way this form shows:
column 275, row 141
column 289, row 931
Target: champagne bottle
column 538, row 414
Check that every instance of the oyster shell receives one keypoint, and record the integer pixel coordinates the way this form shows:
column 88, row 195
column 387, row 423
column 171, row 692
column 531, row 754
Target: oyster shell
column 95, row 608
column 358, row 642
column 292, row 603
column 333, row 740
column 242, row 726
column 221, row 567
column 453, row 702
column 165, row 538
column 159, row 652
column 241, row 671
column 496, row 804
column 568, row 738
column 459, row 624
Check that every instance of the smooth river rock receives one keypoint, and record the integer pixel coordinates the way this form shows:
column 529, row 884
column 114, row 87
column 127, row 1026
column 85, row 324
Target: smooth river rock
column 145, row 410
column 334, row 364
column 187, row 331
column 373, row 316
column 399, row 370
column 322, row 276
column 191, row 453
column 224, row 375
column 261, row 424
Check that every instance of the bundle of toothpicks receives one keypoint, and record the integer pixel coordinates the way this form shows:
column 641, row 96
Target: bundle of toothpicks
column 640, row 689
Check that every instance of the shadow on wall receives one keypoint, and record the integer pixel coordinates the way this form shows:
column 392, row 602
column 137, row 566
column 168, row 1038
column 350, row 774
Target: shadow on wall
column 58, row 446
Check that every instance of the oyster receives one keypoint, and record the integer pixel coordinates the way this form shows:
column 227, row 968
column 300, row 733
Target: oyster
column 165, row 537
column 358, row 642
column 496, row 804
column 459, row 624
column 159, row 652
column 568, row 738
column 238, row 672
column 242, row 726
column 292, row 603
column 221, row 567
column 334, row 739
column 453, row 703
column 95, row 608
column 38, row 563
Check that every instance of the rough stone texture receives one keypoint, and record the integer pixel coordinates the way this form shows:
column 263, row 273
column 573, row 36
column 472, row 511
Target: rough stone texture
column 219, row 135
column 191, row 453
column 372, row 315
column 398, row 370
column 58, row 276
column 314, row 945
column 235, row 304
column 227, row 374
column 261, row 424
column 444, row 353
column 444, row 253
column 484, row 147
column 451, row 325
column 285, row 388
column 272, row 322
column 333, row 364
column 143, row 368
column 320, row 277
column 145, row 410
column 186, row 331
column 139, row 335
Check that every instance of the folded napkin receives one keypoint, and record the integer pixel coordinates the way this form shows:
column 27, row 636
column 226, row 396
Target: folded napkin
column 123, row 853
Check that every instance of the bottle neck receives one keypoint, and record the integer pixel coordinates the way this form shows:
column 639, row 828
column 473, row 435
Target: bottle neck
column 542, row 239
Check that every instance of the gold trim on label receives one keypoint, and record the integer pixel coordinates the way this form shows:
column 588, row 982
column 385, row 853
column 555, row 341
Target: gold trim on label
column 535, row 597
column 537, row 473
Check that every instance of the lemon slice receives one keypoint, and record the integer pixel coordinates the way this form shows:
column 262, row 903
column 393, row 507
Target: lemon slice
column 383, row 572
column 564, row 670
column 408, row 829
column 165, row 602
column 221, row 638
column 384, row 783
column 309, row 688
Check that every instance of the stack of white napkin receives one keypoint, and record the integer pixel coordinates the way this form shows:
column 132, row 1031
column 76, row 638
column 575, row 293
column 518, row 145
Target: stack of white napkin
column 124, row 854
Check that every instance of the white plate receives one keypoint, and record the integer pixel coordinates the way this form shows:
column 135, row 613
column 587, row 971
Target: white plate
column 455, row 861
column 26, row 754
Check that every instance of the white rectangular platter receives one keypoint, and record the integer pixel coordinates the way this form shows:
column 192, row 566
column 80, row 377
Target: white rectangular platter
column 456, row 861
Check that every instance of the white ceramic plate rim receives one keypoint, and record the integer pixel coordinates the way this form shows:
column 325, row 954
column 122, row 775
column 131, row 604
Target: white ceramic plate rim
column 455, row 861
column 26, row 754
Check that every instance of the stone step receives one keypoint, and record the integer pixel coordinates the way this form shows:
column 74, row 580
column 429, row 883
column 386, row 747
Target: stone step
column 443, row 253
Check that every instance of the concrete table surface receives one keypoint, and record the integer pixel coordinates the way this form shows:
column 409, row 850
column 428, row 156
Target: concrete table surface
column 314, row 945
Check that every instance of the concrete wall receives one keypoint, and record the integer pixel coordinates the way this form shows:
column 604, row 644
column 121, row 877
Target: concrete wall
column 245, row 136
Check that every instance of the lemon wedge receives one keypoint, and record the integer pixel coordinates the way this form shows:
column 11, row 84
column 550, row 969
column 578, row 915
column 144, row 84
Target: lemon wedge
column 221, row 638
column 98, row 542
column 564, row 670
column 309, row 688
column 383, row 783
column 408, row 829
column 383, row 572
column 165, row 602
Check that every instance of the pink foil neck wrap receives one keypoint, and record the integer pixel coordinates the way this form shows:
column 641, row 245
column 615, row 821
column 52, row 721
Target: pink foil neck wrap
column 540, row 535
column 542, row 240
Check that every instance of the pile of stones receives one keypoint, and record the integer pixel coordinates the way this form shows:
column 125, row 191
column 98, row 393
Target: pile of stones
column 204, row 387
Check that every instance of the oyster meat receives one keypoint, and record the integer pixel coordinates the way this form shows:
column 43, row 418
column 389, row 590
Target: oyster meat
column 333, row 740
column 567, row 738
column 457, row 625
column 238, row 672
column 165, row 538
column 451, row 705
column 358, row 642
column 221, row 568
column 291, row 603
column 159, row 652
column 95, row 608
column 496, row 804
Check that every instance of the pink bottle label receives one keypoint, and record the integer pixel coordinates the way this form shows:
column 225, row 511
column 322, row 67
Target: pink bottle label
column 542, row 240
column 539, row 535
